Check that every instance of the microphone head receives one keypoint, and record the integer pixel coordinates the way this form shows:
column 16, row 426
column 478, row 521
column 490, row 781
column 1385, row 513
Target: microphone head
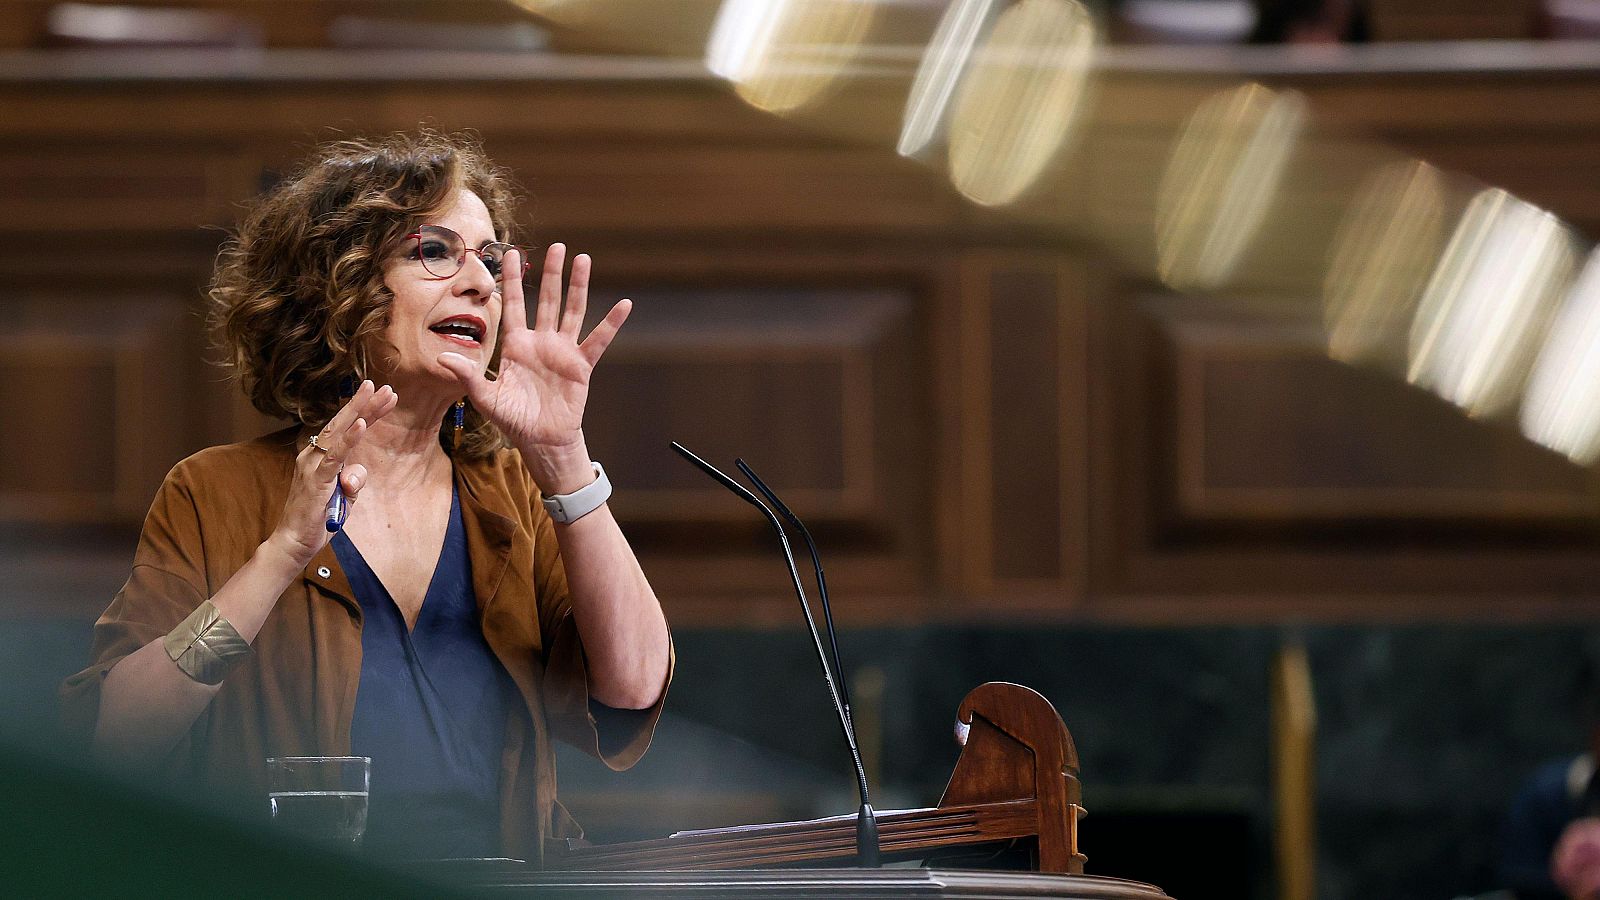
column 719, row 475
column 766, row 492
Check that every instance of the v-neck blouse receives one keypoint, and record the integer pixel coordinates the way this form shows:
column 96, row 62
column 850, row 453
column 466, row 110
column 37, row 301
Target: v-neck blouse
column 296, row 695
column 430, row 711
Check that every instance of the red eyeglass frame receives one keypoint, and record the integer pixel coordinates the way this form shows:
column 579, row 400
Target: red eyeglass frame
column 465, row 249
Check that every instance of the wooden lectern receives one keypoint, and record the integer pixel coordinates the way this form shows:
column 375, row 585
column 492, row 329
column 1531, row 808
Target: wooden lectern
column 1014, row 792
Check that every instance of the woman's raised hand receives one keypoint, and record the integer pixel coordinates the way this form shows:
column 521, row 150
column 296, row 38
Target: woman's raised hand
column 1575, row 864
column 302, row 529
column 538, row 399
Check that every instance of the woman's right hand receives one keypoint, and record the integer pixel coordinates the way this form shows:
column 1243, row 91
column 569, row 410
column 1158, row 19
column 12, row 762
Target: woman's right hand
column 302, row 529
column 1575, row 864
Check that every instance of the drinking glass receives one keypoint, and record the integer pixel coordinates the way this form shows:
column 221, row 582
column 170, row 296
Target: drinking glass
column 320, row 798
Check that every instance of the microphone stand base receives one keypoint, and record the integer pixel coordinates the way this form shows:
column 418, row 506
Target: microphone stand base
column 867, row 838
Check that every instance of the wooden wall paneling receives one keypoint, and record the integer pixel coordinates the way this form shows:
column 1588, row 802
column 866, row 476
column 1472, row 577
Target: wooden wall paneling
column 1120, row 473
column 136, row 187
column 1533, row 137
column 1243, row 505
column 76, row 481
column 21, row 23
column 1452, row 20
column 231, row 416
column 814, row 368
column 1024, row 417
column 808, row 409
column 278, row 23
column 1179, row 523
column 974, row 414
column 706, row 160
column 1558, row 172
column 1454, row 104
column 1267, row 429
column 718, row 188
column 952, row 525
column 276, row 104
column 1025, row 456
column 93, row 387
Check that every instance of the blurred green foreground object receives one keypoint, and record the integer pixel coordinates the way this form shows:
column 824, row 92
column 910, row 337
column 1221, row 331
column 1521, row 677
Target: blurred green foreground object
column 67, row 831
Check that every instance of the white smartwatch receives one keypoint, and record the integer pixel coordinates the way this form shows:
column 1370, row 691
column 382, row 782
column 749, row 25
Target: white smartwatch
column 568, row 508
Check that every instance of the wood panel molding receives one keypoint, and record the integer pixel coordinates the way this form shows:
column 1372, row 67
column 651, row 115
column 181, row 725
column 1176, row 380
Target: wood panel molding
column 92, row 387
column 1265, row 428
column 1024, row 421
column 1439, row 515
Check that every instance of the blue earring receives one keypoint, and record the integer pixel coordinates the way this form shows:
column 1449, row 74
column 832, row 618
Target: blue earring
column 458, row 417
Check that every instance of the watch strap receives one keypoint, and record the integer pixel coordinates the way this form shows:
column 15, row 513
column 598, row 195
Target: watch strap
column 568, row 508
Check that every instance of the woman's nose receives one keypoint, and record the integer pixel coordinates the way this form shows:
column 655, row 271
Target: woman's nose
column 475, row 277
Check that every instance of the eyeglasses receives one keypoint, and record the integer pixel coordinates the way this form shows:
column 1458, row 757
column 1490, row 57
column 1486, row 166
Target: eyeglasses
column 443, row 252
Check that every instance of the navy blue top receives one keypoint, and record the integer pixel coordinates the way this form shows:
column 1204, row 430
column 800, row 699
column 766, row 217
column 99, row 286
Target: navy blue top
column 431, row 711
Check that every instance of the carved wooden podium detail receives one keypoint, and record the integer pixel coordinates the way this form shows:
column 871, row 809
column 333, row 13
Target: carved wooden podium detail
column 1015, row 782
column 1016, row 747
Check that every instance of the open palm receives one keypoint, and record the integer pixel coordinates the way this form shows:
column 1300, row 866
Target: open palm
column 539, row 397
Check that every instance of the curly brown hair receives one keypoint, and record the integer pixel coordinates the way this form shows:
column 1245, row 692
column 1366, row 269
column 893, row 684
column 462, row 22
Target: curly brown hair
column 298, row 304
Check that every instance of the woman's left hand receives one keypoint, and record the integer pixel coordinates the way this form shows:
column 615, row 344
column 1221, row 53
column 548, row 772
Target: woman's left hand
column 538, row 399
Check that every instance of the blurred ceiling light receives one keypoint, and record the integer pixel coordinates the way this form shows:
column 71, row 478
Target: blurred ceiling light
column 1561, row 408
column 568, row 12
column 1015, row 107
column 1483, row 310
column 782, row 54
column 1225, row 168
column 943, row 63
column 742, row 35
column 669, row 27
column 1385, row 249
column 1189, row 21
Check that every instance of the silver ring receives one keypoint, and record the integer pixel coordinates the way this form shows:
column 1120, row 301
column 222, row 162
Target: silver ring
column 316, row 446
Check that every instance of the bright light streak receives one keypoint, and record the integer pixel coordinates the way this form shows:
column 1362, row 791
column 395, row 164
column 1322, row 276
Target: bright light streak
column 671, row 28
column 782, row 54
column 1561, row 408
column 1225, row 169
column 942, row 66
column 1484, row 308
column 1018, row 102
column 1387, row 244
column 543, row 7
column 742, row 37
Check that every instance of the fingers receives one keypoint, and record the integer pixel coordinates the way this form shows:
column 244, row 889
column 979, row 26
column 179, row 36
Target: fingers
column 349, row 424
column 600, row 338
column 352, row 479
column 338, row 449
column 577, row 297
column 468, row 372
column 548, row 311
column 341, row 420
column 383, row 403
column 514, row 306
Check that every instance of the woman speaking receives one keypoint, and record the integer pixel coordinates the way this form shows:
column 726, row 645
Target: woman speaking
column 476, row 597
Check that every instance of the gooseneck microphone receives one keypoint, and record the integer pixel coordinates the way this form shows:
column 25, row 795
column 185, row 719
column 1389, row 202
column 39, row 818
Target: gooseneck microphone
column 822, row 582
column 866, row 820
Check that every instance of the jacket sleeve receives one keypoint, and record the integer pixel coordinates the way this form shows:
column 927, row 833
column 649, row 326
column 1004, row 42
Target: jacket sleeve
column 617, row 737
column 166, row 584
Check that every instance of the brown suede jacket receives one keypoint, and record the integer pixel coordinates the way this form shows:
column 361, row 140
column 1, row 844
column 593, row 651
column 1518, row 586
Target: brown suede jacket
column 295, row 696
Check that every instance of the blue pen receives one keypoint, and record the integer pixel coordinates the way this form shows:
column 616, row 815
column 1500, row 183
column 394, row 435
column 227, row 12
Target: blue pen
column 338, row 507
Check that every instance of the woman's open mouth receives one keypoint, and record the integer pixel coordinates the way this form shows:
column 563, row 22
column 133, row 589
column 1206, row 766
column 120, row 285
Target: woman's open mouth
column 466, row 330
